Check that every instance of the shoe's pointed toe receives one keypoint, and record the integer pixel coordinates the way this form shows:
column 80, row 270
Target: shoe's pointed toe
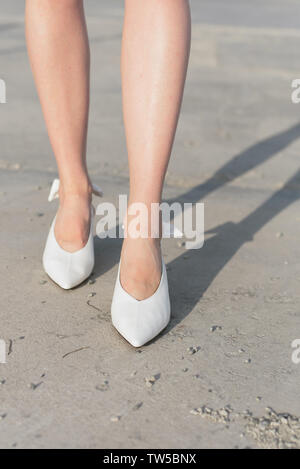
column 68, row 269
column 140, row 321
column 126, row 320
column 65, row 271
column 57, row 272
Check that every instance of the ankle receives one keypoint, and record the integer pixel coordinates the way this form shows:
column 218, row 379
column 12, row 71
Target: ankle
column 138, row 245
column 79, row 189
column 145, row 224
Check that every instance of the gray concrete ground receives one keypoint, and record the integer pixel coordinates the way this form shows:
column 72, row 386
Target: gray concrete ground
column 237, row 149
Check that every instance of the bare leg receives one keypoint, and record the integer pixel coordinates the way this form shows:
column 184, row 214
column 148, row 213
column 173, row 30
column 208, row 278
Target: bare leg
column 59, row 53
column 156, row 44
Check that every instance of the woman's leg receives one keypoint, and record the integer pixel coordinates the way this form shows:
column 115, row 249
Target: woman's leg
column 156, row 44
column 59, row 54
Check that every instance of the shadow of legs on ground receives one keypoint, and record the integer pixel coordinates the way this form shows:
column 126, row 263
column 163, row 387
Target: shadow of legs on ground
column 203, row 265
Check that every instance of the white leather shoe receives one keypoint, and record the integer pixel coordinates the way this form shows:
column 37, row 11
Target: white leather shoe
column 140, row 321
column 68, row 269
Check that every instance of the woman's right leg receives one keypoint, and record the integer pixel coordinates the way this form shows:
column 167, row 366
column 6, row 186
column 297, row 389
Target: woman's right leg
column 59, row 53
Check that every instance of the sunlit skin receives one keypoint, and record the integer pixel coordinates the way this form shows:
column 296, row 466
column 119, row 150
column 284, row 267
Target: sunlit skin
column 155, row 51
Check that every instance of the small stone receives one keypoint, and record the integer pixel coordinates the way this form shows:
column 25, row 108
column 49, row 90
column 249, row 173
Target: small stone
column 206, row 410
column 185, row 370
column 92, row 281
column 228, row 408
column 115, row 418
column 150, row 381
column 215, row 328
column 103, row 387
column 193, row 350
column 248, row 360
column 91, row 295
column 42, row 282
column 137, row 406
column 181, row 244
column 259, row 398
column 263, row 424
column 34, row 386
column 39, row 214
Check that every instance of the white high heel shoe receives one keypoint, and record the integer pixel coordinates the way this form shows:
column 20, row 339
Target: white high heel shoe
column 139, row 321
column 68, row 269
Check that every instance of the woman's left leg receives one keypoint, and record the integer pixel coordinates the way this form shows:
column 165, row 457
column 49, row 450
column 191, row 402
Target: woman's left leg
column 155, row 52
